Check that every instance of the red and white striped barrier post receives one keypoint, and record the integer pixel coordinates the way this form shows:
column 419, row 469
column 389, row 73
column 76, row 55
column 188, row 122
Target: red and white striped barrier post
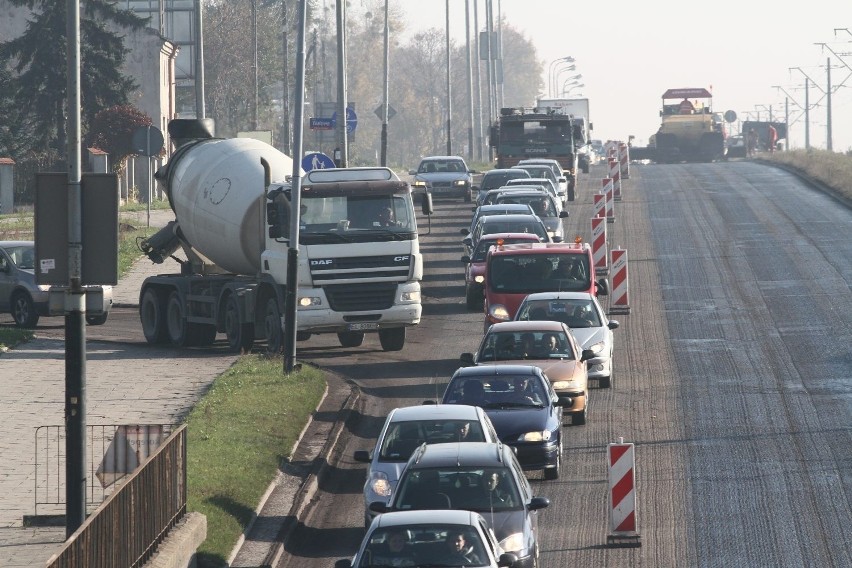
column 622, row 495
column 615, row 174
column 607, row 190
column 619, row 296
column 624, row 158
column 600, row 205
column 599, row 252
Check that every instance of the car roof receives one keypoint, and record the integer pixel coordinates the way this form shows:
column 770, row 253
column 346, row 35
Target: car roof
column 427, row 516
column 502, row 171
column 532, row 237
column 459, row 453
column 9, row 244
column 435, row 411
column 509, row 218
column 495, row 370
column 427, row 158
column 530, row 180
column 502, row 206
column 532, row 325
column 522, row 191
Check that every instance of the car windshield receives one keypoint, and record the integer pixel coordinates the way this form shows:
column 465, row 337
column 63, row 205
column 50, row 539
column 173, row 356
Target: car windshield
column 533, row 226
column 495, row 180
column 528, row 273
column 402, row 438
column 434, row 166
column 23, row 256
column 471, row 488
column 573, row 313
column 542, row 205
column 511, row 346
column 423, row 545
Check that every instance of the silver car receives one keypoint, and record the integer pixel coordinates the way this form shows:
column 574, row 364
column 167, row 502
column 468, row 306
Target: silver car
column 28, row 301
column 581, row 312
column 405, row 429
column 444, row 176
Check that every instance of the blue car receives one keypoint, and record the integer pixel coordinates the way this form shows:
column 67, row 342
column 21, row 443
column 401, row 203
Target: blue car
column 522, row 405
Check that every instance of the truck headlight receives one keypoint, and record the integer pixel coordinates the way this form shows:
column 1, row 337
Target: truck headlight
column 409, row 296
column 309, row 301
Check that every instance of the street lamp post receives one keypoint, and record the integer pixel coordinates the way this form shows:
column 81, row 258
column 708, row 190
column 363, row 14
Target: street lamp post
column 449, row 92
column 551, row 87
column 559, row 69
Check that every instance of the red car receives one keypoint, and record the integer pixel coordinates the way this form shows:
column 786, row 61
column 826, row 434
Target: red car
column 474, row 265
column 513, row 271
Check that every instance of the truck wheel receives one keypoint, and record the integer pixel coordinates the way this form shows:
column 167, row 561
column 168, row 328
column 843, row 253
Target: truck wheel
column 272, row 325
column 176, row 327
column 350, row 338
column 240, row 335
column 98, row 319
column 23, row 310
column 152, row 314
column 392, row 339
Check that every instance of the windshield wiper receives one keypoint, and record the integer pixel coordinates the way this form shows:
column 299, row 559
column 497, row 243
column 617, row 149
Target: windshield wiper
column 313, row 238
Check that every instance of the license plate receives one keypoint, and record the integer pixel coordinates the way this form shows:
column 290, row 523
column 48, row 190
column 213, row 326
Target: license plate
column 363, row 326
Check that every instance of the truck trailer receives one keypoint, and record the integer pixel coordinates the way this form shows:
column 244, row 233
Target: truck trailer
column 359, row 262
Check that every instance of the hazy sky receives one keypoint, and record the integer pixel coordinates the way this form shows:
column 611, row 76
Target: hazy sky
column 629, row 53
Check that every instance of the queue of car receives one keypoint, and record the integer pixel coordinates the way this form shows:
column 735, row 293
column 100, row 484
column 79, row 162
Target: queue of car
column 446, row 483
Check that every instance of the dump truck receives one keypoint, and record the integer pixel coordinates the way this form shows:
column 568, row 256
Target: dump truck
column 579, row 109
column 689, row 130
column 358, row 264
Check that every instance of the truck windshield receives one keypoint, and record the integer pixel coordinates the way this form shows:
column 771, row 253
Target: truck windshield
column 360, row 217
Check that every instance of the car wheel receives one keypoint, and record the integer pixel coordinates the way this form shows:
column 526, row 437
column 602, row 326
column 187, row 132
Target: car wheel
column 392, row 339
column 152, row 314
column 98, row 319
column 240, row 335
column 579, row 418
column 274, row 332
column 350, row 338
column 23, row 310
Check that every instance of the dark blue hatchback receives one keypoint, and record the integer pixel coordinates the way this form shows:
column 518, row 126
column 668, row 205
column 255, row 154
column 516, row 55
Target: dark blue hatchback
column 522, row 405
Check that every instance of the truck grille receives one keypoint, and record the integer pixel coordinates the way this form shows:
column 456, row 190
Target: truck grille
column 390, row 267
column 360, row 297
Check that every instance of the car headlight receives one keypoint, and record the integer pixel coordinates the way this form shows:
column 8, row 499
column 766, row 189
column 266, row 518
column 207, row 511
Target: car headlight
column 309, row 301
column 540, row 436
column 419, row 183
column 564, row 385
column 460, row 182
column 499, row 312
column 409, row 296
column 597, row 347
column 479, row 279
column 513, row 543
column 380, row 484
column 44, row 287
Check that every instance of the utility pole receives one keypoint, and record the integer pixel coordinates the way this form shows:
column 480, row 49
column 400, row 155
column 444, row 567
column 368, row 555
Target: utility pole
column 341, row 84
column 478, row 80
column 384, row 141
column 469, row 80
column 285, row 98
column 828, row 145
column 807, row 117
column 254, row 64
column 449, row 88
column 488, row 27
column 200, row 110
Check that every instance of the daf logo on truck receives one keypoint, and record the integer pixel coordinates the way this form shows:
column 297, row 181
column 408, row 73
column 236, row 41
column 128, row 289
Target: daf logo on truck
column 322, row 262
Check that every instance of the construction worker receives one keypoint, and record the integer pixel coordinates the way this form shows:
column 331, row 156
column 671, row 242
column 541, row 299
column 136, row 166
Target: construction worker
column 773, row 138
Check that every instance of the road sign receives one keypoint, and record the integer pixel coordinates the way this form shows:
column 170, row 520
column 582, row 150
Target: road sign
column 391, row 112
column 351, row 120
column 147, row 141
column 322, row 124
column 316, row 161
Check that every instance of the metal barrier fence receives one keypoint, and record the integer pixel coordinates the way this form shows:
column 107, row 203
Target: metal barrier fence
column 102, row 470
column 126, row 529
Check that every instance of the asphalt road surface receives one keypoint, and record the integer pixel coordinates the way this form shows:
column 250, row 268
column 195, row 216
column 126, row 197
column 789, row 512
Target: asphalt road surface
column 733, row 378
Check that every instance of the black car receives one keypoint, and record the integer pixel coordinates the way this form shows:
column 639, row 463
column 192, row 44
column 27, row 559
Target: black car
column 474, row 476
column 522, row 405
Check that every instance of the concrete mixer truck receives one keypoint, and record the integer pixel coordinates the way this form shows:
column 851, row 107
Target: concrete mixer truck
column 359, row 263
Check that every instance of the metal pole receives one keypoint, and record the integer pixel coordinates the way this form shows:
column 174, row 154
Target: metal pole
column 254, row 64
column 478, row 80
column 807, row 117
column 200, row 109
column 75, row 299
column 498, row 64
column 285, row 100
column 490, row 73
column 828, row 145
column 385, row 90
column 341, row 84
column 290, row 323
column 469, row 80
column 449, row 88
column 787, row 123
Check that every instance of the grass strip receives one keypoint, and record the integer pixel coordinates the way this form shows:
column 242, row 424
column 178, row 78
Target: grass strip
column 239, row 435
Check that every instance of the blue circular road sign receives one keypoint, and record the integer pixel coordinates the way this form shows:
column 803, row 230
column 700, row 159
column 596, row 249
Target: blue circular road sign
column 351, row 120
column 316, row 161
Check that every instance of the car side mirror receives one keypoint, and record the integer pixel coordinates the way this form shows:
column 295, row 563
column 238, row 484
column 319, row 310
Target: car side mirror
column 379, row 507
column 613, row 324
column 563, row 214
column 466, row 359
column 587, row 354
column 557, row 239
column 506, row 559
column 537, row 503
column 412, row 172
column 565, row 402
column 362, row 456
column 603, row 288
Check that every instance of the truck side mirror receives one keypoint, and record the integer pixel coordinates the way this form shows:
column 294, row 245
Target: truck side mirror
column 426, row 204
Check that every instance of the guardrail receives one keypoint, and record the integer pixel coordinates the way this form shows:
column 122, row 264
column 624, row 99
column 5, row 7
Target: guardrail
column 127, row 527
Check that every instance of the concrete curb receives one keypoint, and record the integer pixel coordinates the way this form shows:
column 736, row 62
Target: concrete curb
column 308, row 490
column 814, row 183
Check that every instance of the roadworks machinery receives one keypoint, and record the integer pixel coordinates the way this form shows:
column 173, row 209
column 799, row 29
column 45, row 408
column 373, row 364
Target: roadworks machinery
column 689, row 131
